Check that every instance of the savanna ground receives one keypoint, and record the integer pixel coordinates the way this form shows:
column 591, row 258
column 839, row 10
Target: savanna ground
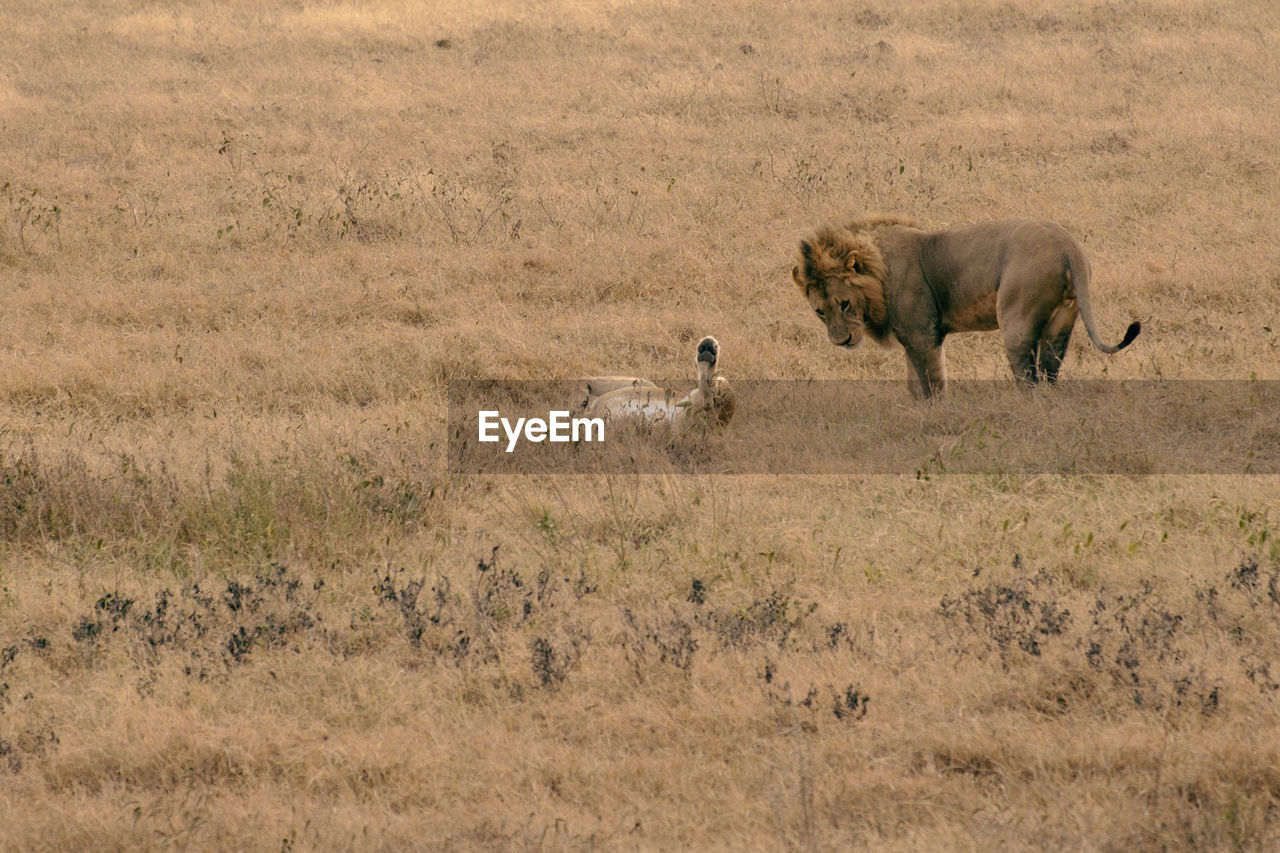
column 244, row 605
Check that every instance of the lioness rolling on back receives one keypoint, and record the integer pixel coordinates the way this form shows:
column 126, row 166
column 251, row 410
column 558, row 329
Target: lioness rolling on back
column 890, row 278
column 711, row 404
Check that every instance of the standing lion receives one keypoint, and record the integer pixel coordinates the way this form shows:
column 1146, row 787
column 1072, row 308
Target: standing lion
column 890, row 278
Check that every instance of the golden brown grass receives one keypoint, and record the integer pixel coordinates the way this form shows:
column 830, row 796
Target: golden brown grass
column 243, row 605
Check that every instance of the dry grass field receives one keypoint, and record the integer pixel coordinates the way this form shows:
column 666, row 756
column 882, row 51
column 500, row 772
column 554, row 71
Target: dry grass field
column 244, row 604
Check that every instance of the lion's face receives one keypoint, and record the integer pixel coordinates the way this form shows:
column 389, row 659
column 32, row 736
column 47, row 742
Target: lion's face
column 839, row 303
column 841, row 275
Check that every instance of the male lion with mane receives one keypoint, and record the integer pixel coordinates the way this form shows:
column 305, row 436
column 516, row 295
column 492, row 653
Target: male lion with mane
column 890, row 278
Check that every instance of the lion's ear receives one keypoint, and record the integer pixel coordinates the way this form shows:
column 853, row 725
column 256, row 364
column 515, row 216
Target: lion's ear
column 806, row 251
column 855, row 264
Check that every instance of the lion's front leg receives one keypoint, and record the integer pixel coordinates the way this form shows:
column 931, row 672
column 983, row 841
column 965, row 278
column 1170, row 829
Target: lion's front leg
column 928, row 373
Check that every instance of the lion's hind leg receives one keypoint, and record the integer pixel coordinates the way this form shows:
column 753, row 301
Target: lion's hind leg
column 1031, row 309
column 1025, row 331
column 1054, row 339
column 1021, row 348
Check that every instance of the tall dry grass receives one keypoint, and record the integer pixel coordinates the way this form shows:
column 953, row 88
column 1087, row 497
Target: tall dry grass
column 244, row 605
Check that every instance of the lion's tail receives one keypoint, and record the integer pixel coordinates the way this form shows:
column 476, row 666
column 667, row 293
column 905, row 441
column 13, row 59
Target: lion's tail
column 1077, row 270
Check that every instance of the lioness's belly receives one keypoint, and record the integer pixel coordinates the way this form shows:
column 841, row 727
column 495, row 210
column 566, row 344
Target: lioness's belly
column 649, row 403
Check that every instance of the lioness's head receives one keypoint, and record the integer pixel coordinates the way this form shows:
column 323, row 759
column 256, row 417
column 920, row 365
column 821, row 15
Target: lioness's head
column 842, row 274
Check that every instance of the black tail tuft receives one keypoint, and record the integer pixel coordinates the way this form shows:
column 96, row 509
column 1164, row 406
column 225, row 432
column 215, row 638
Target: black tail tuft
column 1130, row 334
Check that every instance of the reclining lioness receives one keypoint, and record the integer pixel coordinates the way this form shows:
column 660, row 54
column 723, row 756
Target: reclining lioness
column 711, row 403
